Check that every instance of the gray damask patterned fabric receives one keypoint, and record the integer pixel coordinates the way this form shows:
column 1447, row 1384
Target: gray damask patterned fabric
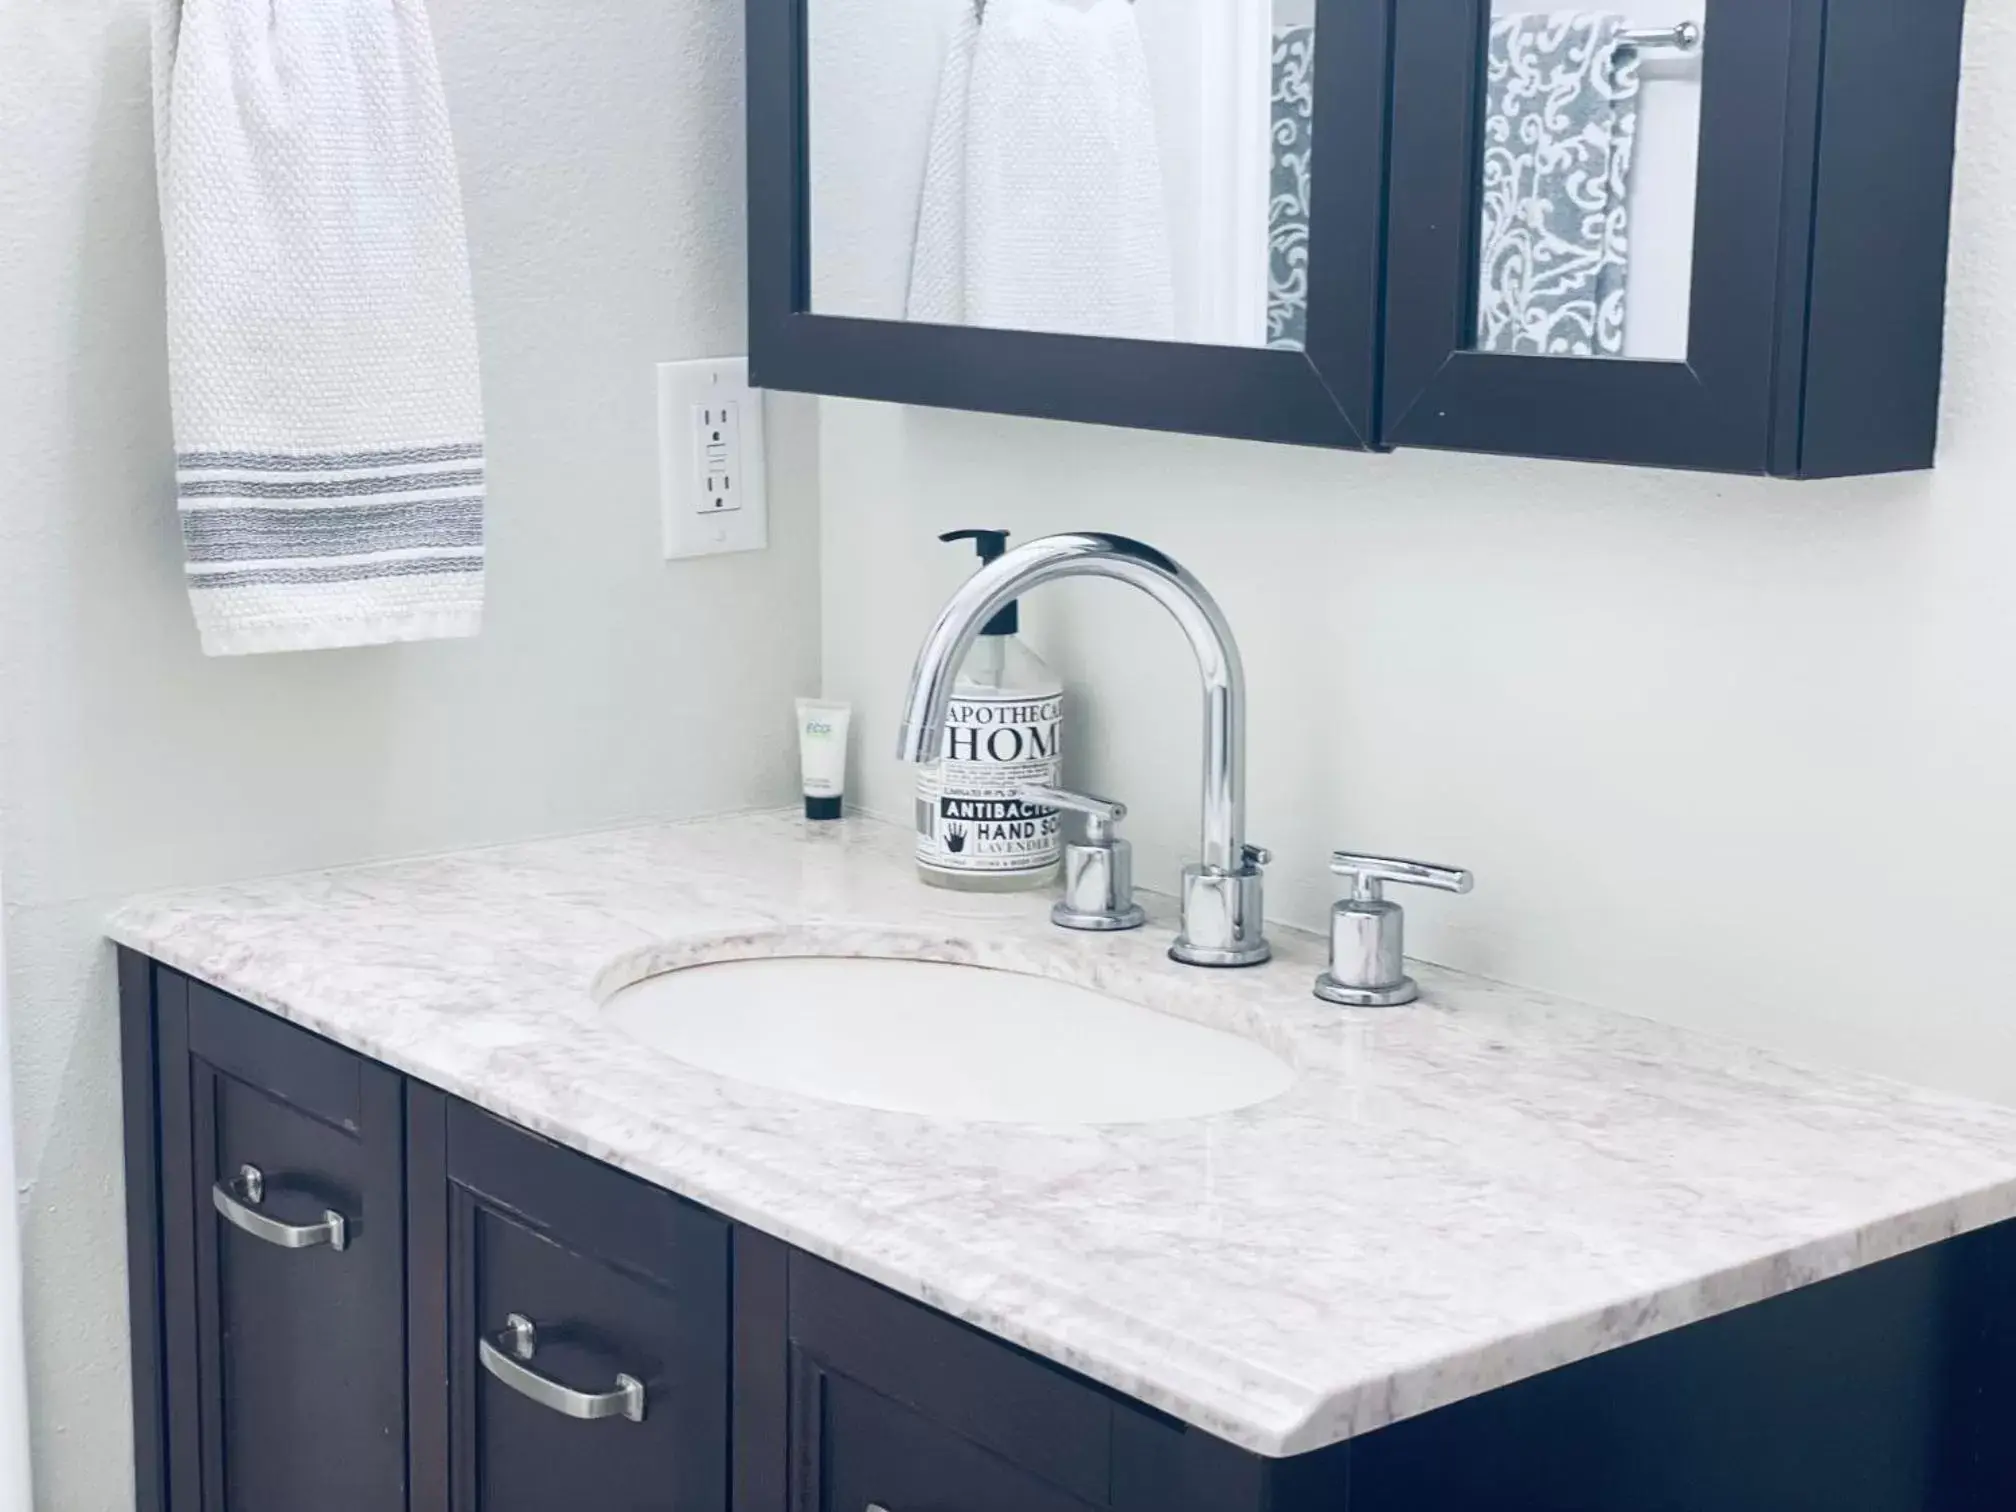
column 1288, row 204
column 1561, row 121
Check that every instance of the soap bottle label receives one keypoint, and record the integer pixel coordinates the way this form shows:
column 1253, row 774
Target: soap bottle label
column 968, row 817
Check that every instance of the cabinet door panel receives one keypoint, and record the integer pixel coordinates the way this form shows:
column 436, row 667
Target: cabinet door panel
column 1714, row 409
column 615, row 1279
column 896, row 1406
column 1054, row 1426
column 298, row 1373
column 873, row 1452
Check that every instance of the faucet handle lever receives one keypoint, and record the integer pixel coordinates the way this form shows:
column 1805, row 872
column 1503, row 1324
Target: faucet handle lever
column 1368, row 966
column 1368, row 873
column 1101, row 814
column 1099, row 871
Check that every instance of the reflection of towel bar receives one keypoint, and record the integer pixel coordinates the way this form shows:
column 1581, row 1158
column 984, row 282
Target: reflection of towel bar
column 1683, row 37
column 980, row 9
column 1686, row 37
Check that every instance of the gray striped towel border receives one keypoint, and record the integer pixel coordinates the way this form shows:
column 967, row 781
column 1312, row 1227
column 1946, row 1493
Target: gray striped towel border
column 286, row 518
column 270, row 462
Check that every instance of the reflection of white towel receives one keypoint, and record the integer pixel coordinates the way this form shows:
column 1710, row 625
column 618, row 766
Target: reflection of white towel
column 1043, row 207
column 321, row 344
column 938, row 262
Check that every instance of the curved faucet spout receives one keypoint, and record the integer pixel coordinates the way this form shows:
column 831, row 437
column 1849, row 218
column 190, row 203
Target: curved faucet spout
column 1225, row 852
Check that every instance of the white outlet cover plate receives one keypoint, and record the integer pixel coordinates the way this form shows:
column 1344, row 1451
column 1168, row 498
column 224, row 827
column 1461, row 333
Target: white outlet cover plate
column 693, row 523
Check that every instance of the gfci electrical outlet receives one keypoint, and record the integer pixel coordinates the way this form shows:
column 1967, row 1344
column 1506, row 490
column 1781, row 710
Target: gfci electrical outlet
column 710, row 458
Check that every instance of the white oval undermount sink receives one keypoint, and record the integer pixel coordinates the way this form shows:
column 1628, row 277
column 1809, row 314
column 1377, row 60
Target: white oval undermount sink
column 945, row 1041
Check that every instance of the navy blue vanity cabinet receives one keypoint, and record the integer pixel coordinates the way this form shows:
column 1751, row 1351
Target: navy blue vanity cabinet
column 570, row 1340
column 281, row 1243
column 1888, row 1389
column 509, row 1326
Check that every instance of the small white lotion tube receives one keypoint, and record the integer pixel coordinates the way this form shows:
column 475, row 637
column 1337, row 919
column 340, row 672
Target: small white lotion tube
column 822, row 755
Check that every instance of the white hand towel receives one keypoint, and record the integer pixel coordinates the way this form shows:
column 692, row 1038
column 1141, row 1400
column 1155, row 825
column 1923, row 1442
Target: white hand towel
column 1049, row 147
column 321, row 340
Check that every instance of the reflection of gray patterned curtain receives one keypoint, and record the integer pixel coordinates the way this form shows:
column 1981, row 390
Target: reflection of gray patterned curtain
column 1561, row 117
column 1288, row 199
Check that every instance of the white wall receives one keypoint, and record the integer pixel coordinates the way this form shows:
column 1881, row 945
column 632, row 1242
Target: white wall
column 1728, row 752
column 603, row 171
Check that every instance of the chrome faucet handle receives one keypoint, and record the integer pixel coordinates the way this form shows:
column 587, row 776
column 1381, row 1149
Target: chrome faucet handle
column 1367, row 872
column 1099, row 871
column 1101, row 814
column 1368, row 933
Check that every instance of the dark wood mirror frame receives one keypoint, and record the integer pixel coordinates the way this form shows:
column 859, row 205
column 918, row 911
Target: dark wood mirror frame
column 1817, row 324
column 1324, row 395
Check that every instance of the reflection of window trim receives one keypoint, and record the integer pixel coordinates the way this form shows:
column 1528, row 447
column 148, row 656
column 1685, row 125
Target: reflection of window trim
column 1225, row 123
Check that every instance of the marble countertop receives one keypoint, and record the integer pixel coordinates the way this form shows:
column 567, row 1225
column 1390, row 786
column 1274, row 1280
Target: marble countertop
column 1451, row 1197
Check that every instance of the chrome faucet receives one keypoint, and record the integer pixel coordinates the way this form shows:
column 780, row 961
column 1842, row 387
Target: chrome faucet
column 1221, row 894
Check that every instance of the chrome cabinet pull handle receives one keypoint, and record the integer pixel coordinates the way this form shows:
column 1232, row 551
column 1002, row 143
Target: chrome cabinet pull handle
column 521, row 1338
column 238, row 1200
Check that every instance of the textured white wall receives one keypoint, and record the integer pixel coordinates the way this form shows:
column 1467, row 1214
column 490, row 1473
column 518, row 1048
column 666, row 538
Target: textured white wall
column 602, row 161
column 1724, row 751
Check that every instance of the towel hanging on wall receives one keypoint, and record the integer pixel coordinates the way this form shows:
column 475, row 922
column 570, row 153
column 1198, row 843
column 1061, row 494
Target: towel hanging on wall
column 1560, row 123
column 321, row 340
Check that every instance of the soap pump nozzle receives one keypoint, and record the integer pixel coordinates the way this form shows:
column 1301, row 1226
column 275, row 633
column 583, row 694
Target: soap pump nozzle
column 987, row 545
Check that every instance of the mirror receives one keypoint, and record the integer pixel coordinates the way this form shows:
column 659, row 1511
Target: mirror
column 1591, row 131
column 1120, row 168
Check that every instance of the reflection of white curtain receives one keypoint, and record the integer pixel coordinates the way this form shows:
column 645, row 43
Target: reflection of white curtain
column 14, row 1484
column 1212, row 67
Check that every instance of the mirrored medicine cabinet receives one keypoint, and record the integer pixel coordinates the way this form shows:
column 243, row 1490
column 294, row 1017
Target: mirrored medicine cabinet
column 1683, row 233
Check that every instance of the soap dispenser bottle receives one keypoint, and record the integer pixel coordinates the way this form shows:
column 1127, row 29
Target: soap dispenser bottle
column 1003, row 733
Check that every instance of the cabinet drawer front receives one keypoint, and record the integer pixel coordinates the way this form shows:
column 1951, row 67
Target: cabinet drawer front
column 301, row 1069
column 875, row 1453
column 587, row 1332
column 291, row 1388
